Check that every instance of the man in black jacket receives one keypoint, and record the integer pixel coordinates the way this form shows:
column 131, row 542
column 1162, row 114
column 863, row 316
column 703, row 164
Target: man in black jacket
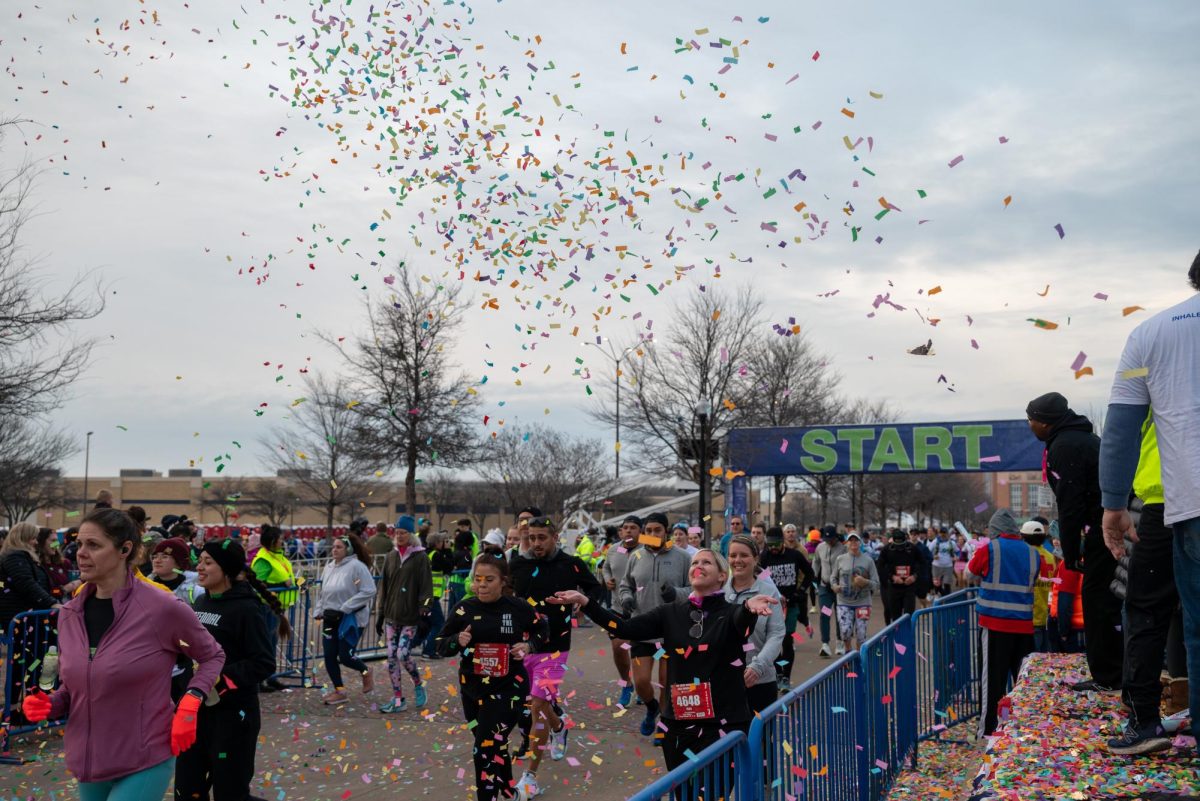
column 1073, row 470
column 899, row 566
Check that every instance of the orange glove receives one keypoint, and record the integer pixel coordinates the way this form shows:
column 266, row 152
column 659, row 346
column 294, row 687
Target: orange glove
column 183, row 726
column 36, row 706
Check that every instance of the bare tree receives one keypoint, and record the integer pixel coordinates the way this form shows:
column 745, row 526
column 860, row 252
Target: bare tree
column 273, row 499
column 442, row 489
column 413, row 408
column 30, row 478
column 543, row 467
column 319, row 450
column 482, row 498
column 35, row 368
column 696, row 366
column 222, row 496
column 792, row 386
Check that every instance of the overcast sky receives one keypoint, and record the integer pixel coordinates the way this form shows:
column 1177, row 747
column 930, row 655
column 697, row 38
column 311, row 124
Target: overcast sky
column 166, row 143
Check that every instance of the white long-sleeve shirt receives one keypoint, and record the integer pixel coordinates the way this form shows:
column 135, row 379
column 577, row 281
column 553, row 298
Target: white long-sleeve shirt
column 347, row 586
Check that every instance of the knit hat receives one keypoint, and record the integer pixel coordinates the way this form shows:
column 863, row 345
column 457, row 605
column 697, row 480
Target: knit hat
column 229, row 556
column 814, row 536
column 407, row 523
column 637, row 521
column 178, row 551
column 1048, row 408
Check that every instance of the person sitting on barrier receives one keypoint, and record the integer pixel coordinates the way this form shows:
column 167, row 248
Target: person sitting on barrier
column 704, row 638
column 1008, row 569
column 792, row 575
column 652, row 570
column 745, row 582
column 825, row 559
column 344, row 609
column 117, row 640
column 272, row 568
column 899, row 566
column 855, row 578
column 222, row 760
column 494, row 632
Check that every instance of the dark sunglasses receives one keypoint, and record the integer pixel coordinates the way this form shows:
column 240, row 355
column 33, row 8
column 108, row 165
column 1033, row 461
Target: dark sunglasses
column 697, row 628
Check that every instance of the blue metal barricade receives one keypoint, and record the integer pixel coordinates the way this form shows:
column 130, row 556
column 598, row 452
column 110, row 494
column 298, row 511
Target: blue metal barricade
column 967, row 594
column 948, row 667
column 711, row 775
column 25, row 643
column 807, row 741
column 889, row 688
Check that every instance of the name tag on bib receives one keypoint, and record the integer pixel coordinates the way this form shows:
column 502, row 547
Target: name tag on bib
column 692, row 701
column 491, row 659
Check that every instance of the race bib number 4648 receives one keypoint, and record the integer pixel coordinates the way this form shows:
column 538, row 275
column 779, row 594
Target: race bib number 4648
column 692, row 701
column 491, row 659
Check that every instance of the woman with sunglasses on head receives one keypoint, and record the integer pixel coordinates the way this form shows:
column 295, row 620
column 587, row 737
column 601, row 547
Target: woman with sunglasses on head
column 745, row 582
column 118, row 639
column 494, row 632
column 344, row 608
column 704, row 636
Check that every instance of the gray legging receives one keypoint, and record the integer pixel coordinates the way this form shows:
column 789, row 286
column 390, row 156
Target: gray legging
column 827, row 599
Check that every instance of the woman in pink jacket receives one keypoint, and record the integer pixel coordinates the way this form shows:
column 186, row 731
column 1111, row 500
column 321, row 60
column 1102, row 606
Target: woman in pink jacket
column 118, row 640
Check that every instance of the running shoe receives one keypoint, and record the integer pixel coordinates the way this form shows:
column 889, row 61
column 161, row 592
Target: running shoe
column 1177, row 722
column 825, row 652
column 626, row 695
column 394, row 705
column 647, row 727
column 527, row 787
column 1134, row 742
column 558, row 743
column 419, row 697
column 841, row 649
column 335, row 697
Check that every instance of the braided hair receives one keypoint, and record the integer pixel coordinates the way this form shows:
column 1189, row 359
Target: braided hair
column 271, row 600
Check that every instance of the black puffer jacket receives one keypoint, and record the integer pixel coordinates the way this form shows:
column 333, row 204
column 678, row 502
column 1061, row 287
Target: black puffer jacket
column 235, row 621
column 725, row 630
column 24, row 586
column 1073, row 470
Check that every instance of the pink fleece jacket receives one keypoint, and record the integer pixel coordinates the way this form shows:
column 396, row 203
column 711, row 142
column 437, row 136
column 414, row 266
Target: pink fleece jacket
column 119, row 699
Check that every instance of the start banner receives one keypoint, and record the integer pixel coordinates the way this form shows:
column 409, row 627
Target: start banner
column 990, row 446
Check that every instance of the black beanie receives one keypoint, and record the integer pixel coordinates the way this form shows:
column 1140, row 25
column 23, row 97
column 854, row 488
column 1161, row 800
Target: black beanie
column 229, row 555
column 1048, row 408
column 637, row 521
column 657, row 517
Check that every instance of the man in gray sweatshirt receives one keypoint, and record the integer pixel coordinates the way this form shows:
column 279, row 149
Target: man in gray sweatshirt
column 654, row 574
column 613, row 573
column 824, row 559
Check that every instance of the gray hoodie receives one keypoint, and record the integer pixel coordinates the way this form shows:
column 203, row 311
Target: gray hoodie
column 1003, row 522
column 767, row 637
column 846, row 568
column 648, row 571
column 824, row 559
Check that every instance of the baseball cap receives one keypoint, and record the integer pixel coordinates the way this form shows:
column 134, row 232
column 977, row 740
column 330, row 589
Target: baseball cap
column 853, row 535
column 1033, row 527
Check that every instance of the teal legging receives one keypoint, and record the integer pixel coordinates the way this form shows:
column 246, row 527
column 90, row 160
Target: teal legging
column 145, row 785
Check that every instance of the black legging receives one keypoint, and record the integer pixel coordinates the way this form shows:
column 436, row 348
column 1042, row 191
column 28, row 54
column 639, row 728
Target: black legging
column 222, row 759
column 492, row 721
column 338, row 650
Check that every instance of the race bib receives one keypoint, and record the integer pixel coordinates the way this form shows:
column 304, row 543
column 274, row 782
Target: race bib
column 903, row 571
column 692, row 701
column 491, row 659
column 862, row 612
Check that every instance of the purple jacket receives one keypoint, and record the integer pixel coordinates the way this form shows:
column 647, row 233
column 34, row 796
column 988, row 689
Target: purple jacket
column 119, row 699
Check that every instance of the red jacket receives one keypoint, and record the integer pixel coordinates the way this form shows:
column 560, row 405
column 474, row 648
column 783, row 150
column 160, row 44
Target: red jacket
column 119, row 699
column 978, row 566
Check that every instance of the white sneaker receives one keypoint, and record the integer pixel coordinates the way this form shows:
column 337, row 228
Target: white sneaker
column 825, row 653
column 841, row 649
column 558, row 743
column 527, row 787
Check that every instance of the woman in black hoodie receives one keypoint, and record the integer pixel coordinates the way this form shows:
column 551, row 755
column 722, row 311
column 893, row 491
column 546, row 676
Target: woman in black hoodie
column 703, row 636
column 222, row 760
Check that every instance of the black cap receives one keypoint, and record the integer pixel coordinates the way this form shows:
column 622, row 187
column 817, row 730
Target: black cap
column 530, row 510
column 898, row 535
column 1048, row 408
column 637, row 521
column 829, row 530
column 774, row 535
column 657, row 517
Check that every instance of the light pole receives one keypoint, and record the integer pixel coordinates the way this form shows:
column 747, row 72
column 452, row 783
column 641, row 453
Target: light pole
column 615, row 358
column 87, row 459
column 702, row 470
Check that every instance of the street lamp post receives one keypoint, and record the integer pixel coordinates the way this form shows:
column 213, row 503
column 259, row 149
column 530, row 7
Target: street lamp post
column 616, row 358
column 702, row 471
column 87, row 458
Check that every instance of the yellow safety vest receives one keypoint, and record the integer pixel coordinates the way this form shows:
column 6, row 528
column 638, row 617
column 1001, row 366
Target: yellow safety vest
column 281, row 573
column 439, row 579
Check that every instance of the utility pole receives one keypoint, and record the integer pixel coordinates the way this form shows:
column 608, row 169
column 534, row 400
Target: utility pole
column 87, row 458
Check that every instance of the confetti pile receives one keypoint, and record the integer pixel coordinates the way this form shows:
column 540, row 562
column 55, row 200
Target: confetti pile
column 1052, row 746
column 944, row 770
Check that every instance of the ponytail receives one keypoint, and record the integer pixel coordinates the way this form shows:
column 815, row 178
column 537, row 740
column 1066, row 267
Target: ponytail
column 271, row 600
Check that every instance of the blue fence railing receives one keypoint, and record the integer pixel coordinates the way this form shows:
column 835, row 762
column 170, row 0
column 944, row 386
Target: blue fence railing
column 966, row 594
column 25, row 642
column 712, row 775
column 846, row 733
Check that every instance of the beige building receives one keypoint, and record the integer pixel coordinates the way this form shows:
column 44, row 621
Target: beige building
column 1023, row 493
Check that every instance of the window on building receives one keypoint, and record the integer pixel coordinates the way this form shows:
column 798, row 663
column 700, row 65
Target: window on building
column 1014, row 498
